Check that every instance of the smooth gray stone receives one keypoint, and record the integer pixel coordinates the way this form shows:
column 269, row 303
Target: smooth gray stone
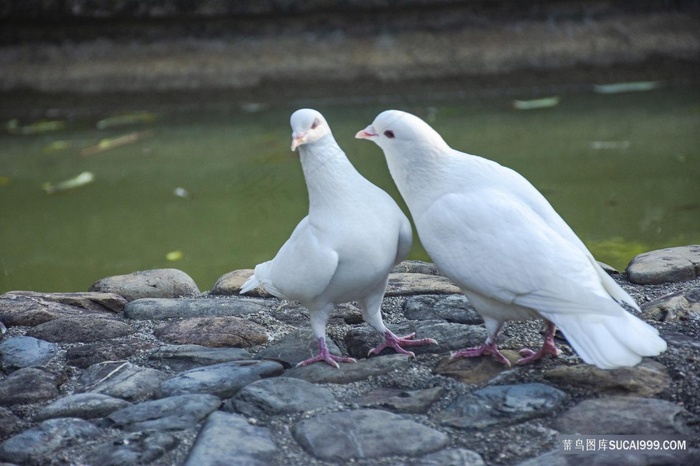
column 9, row 423
column 164, row 308
column 365, row 433
column 19, row 352
column 121, row 379
column 320, row 372
column 453, row 308
column 82, row 405
column 401, row 401
column 665, row 265
column 297, row 346
column 28, row 385
column 134, row 449
column 186, row 357
column 280, row 395
column 223, row 380
column 228, row 439
column 46, row 438
column 156, row 283
column 642, row 416
column 172, row 413
column 81, row 329
column 450, row 457
column 502, row 405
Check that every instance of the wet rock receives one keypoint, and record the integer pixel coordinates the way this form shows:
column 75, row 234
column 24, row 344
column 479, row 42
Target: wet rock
column 77, row 329
column 168, row 308
column 23, row 310
column 19, row 352
column 121, row 379
column 81, row 405
column 624, row 416
column 401, row 401
column 452, row 308
column 681, row 341
column 229, row 439
column 172, row 413
column 185, row 357
column 157, row 283
column 28, row 385
column 295, row 347
column 401, row 284
column 415, row 266
column 9, row 423
column 232, row 282
column 365, row 433
column 681, row 305
column 213, row 332
column 100, row 302
column 449, row 337
column 502, row 405
column 450, row 457
column 279, row 395
column 475, row 371
column 349, row 372
column 135, row 448
column 223, row 380
column 665, row 265
column 46, row 438
column 84, row 356
column 645, row 379
column 555, row 458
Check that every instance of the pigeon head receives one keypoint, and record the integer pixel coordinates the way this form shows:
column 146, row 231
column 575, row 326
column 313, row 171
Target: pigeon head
column 308, row 126
column 394, row 129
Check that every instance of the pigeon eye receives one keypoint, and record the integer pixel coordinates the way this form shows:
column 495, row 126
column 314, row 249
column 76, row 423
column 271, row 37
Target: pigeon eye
column 315, row 124
column 389, row 133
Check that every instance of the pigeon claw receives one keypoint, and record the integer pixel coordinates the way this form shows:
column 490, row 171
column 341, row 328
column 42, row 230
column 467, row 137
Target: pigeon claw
column 529, row 356
column 395, row 342
column 489, row 349
column 330, row 359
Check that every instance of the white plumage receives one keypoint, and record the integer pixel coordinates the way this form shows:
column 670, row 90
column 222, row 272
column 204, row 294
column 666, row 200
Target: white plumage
column 492, row 233
column 346, row 246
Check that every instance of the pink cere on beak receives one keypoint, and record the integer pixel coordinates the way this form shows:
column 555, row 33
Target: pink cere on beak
column 297, row 140
column 367, row 133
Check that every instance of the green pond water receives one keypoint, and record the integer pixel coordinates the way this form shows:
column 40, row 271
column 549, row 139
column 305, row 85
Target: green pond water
column 623, row 170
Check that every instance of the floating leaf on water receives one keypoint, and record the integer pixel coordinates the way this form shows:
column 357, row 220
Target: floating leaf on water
column 606, row 145
column 5, row 180
column 617, row 88
column 174, row 255
column 81, row 180
column 129, row 119
column 545, row 102
column 37, row 127
column 182, row 192
column 58, row 146
column 113, row 143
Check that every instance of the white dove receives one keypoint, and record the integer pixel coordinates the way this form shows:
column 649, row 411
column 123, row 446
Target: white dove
column 494, row 235
column 344, row 249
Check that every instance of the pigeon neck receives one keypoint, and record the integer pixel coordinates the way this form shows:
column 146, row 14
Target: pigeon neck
column 328, row 173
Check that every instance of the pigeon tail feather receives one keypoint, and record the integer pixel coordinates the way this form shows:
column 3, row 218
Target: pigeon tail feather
column 261, row 277
column 609, row 342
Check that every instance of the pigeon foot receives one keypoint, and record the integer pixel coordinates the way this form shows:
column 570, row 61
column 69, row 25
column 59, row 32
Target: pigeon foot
column 392, row 341
column 326, row 356
column 548, row 347
column 489, row 349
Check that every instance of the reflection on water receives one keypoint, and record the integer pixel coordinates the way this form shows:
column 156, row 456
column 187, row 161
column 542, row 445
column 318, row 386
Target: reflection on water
column 208, row 192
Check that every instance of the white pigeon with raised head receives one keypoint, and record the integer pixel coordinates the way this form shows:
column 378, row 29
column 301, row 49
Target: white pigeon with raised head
column 493, row 234
column 344, row 249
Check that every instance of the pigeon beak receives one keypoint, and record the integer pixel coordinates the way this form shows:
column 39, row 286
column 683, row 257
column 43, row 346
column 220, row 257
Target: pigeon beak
column 367, row 133
column 298, row 138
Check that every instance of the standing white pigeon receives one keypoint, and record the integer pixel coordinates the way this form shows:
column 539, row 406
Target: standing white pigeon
column 344, row 249
column 493, row 234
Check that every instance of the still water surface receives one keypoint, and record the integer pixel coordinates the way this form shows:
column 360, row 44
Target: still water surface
column 623, row 170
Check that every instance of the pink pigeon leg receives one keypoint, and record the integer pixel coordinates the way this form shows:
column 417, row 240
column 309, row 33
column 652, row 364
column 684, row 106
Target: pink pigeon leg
column 392, row 341
column 548, row 347
column 325, row 356
column 489, row 348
